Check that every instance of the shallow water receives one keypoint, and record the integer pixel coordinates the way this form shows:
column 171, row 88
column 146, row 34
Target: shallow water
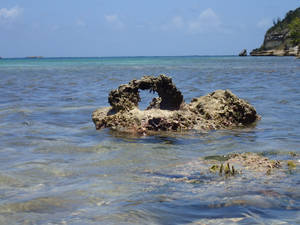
column 55, row 168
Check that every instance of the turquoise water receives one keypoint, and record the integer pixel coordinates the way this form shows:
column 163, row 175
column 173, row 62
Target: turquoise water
column 55, row 168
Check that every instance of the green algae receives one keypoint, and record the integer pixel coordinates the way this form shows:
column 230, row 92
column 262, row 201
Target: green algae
column 214, row 168
column 223, row 170
column 291, row 164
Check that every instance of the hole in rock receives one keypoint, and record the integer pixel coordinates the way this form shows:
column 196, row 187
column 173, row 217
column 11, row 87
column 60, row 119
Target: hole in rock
column 146, row 98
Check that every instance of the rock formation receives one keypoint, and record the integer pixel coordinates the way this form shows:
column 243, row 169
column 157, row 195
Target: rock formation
column 169, row 112
column 243, row 52
column 282, row 39
column 238, row 167
column 127, row 97
column 291, row 51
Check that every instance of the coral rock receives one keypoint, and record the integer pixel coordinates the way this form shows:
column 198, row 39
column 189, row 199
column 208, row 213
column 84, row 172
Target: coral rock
column 169, row 112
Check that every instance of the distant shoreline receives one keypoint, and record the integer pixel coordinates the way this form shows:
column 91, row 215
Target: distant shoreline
column 108, row 57
column 125, row 56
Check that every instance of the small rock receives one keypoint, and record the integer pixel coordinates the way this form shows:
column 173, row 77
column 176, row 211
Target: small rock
column 243, row 52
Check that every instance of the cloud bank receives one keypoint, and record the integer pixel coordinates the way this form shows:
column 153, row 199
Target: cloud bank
column 10, row 14
column 206, row 21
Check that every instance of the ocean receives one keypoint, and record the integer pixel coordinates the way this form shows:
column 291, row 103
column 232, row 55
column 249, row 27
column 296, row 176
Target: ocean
column 56, row 168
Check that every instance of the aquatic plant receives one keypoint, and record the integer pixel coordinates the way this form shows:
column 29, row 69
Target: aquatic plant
column 227, row 170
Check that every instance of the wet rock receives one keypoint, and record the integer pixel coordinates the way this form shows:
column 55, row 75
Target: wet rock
column 169, row 112
column 249, row 163
column 240, row 166
column 254, row 162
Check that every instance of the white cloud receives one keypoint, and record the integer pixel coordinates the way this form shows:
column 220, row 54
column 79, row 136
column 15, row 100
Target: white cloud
column 10, row 14
column 114, row 21
column 264, row 23
column 208, row 20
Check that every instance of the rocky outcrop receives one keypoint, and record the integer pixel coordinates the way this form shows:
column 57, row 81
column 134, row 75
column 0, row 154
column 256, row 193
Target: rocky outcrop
column 243, row 52
column 292, row 51
column 282, row 38
column 217, row 110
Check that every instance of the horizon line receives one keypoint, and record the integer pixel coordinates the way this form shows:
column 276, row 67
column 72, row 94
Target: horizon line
column 124, row 56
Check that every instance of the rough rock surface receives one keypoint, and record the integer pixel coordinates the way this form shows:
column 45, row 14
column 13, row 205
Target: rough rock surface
column 169, row 112
column 291, row 51
column 127, row 97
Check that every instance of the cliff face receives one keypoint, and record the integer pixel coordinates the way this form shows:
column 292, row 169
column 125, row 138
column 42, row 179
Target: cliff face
column 282, row 39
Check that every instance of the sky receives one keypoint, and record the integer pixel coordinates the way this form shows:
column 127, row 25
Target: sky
column 78, row 28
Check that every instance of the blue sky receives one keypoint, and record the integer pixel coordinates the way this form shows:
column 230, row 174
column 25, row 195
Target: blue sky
column 135, row 27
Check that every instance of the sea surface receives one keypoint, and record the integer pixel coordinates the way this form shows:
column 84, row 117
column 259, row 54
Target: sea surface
column 55, row 168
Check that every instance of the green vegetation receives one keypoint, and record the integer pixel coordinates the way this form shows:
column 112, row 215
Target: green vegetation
column 284, row 23
column 285, row 33
column 294, row 27
column 223, row 170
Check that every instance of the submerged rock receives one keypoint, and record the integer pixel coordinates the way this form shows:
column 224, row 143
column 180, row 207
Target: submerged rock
column 243, row 166
column 169, row 112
